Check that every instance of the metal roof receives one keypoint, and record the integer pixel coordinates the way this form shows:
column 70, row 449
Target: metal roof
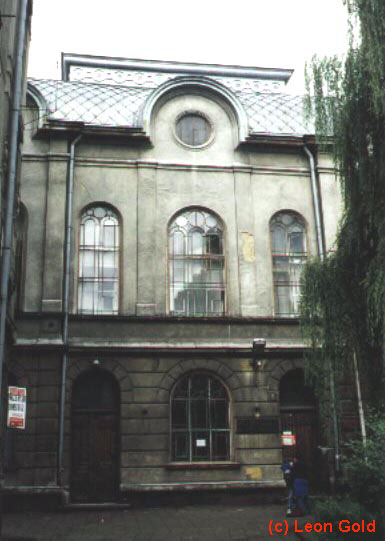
column 113, row 105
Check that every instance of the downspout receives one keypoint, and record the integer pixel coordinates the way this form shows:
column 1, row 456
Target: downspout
column 66, row 290
column 359, row 400
column 321, row 251
column 10, row 211
column 11, row 183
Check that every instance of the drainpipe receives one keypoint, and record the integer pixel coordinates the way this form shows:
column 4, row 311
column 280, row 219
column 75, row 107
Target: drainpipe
column 321, row 251
column 316, row 204
column 11, row 180
column 10, row 204
column 66, row 289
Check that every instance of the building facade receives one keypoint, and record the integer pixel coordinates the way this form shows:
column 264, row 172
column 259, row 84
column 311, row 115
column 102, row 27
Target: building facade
column 169, row 210
column 15, row 33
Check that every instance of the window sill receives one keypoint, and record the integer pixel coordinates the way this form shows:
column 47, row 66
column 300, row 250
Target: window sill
column 203, row 466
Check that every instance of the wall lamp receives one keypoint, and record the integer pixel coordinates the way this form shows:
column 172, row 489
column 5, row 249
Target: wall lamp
column 258, row 347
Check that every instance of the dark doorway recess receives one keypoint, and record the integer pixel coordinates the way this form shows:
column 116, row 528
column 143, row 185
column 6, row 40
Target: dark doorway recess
column 298, row 413
column 95, row 437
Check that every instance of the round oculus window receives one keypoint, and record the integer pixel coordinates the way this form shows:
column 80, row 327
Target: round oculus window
column 193, row 129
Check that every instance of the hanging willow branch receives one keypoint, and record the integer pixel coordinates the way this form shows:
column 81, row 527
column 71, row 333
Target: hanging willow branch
column 343, row 303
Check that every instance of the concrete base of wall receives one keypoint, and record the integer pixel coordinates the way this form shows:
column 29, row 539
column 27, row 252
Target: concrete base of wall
column 57, row 500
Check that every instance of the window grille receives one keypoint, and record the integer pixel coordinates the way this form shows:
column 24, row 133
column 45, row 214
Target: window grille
column 200, row 428
column 196, row 264
column 288, row 242
column 98, row 284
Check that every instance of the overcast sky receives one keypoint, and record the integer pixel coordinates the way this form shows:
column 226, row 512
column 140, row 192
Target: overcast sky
column 266, row 33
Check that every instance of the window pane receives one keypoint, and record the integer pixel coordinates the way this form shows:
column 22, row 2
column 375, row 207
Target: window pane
column 178, row 270
column 86, row 296
column 199, row 386
column 282, row 300
column 180, row 447
column 109, row 234
column 178, row 299
column 193, row 274
column 88, row 268
column 213, row 244
column 218, row 413
column 110, row 265
column 97, row 265
column 181, row 390
column 221, row 445
column 215, row 272
column 200, row 415
column 200, row 445
column 196, row 273
column 178, row 243
column 196, row 243
column 296, row 242
column 193, row 129
column 179, row 414
column 215, row 301
column 278, row 240
column 89, row 233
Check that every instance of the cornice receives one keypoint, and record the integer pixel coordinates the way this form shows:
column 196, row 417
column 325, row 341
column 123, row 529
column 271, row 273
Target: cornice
column 189, row 68
column 171, row 166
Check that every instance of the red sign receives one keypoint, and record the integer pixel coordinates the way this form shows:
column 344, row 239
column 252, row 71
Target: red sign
column 17, row 406
column 287, row 440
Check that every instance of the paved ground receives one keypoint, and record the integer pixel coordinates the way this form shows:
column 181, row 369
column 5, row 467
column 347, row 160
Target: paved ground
column 189, row 523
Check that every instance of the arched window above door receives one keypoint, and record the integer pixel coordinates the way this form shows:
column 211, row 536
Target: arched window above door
column 98, row 279
column 196, row 264
column 200, row 420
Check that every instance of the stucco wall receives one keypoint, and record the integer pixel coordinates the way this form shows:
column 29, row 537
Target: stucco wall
column 147, row 186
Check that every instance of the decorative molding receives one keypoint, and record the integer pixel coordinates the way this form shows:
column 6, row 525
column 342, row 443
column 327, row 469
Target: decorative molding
column 200, row 83
column 169, row 67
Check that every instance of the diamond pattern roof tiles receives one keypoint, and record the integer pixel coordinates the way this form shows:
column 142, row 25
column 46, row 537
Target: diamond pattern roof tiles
column 120, row 106
column 101, row 105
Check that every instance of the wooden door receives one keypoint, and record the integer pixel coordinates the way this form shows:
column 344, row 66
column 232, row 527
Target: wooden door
column 299, row 415
column 94, row 449
column 304, row 426
column 94, row 457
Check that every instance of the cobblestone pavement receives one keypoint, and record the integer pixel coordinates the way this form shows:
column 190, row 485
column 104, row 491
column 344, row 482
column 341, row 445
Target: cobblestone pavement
column 189, row 523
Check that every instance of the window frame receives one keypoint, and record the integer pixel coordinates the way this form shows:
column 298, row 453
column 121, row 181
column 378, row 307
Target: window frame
column 118, row 250
column 291, row 285
column 194, row 112
column 190, row 430
column 187, row 257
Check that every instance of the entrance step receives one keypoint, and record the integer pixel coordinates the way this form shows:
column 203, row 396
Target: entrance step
column 105, row 506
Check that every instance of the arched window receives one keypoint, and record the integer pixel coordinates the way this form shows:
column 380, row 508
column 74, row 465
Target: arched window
column 288, row 244
column 196, row 264
column 98, row 285
column 200, row 428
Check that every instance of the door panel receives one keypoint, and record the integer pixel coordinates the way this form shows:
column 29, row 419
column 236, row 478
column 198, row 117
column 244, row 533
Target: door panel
column 94, row 476
column 305, row 427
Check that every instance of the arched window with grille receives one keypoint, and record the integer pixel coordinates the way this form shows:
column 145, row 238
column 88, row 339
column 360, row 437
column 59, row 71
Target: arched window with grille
column 200, row 420
column 288, row 245
column 98, row 279
column 196, row 264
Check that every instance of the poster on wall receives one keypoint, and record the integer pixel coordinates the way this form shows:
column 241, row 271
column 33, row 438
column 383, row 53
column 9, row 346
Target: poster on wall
column 17, row 406
column 288, row 439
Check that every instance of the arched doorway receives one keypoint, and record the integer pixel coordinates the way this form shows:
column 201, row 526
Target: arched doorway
column 95, row 437
column 298, row 414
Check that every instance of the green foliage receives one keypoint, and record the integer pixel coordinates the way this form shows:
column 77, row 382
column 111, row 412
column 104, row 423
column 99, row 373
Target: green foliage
column 365, row 466
column 343, row 305
column 363, row 494
column 334, row 510
column 343, row 302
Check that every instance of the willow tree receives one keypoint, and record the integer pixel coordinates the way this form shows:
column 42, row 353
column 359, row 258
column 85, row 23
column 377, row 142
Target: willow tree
column 343, row 303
